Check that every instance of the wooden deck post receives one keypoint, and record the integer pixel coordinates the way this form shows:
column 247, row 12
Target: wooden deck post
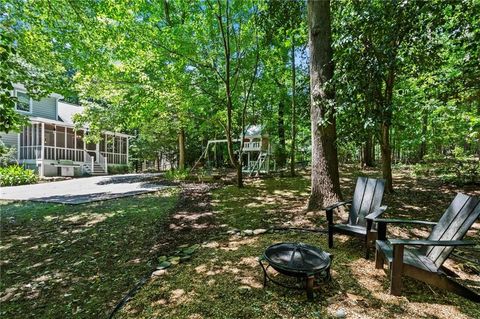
column 97, row 152
column 121, row 149
column 113, row 149
column 65, row 145
column 75, row 145
column 18, row 145
column 128, row 141
column 42, row 152
column 83, row 140
column 54, row 142
column 105, row 142
column 28, row 143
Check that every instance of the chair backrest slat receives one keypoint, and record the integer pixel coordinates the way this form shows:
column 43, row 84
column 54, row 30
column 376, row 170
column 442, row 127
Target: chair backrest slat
column 453, row 225
column 367, row 197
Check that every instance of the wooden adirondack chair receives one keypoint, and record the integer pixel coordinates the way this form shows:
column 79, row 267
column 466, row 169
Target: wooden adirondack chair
column 364, row 208
column 425, row 263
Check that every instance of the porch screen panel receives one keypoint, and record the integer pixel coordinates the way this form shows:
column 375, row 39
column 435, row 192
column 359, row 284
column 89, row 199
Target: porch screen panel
column 33, row 135
column 80, row 143
column 109, row 143
column 102, row 143
column 60, row 137
column 49, row 142
column 80, row 140
column 118, row 149
column 49, row 136
column 70, row 138
column 90, row 146
column 124, row 145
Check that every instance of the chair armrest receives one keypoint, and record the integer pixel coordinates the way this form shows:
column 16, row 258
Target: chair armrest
column 426, row 242
column 332, row 207
column 329, row 210
column 377, row 212
column 403, row 221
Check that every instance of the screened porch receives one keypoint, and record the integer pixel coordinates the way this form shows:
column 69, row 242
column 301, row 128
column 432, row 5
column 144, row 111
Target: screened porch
column 45, row 141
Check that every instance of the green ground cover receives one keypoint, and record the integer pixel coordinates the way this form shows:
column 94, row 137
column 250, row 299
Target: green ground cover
column 78, row 261
column 61, row 261
column 224, row 280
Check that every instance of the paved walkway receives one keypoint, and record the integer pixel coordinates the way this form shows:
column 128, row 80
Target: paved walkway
column 84, row 190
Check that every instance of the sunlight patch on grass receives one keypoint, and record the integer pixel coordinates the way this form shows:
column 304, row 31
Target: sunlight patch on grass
column 225, row 272
column 76, row 260
column 258, row 202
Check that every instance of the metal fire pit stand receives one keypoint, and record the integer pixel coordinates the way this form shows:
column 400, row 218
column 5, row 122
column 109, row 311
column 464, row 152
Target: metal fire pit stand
column 322, row 275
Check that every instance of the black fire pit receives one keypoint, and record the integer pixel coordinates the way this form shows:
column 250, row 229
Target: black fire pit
column 305, row 262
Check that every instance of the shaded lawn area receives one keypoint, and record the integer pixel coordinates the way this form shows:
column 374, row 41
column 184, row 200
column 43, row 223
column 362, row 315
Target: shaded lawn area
column 224, row 280
column 61, row 261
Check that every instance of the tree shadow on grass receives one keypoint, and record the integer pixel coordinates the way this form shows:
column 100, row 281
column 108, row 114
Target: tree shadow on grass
column 87, row 198
column 224, row 280
column 63, row 261
column 154, row 179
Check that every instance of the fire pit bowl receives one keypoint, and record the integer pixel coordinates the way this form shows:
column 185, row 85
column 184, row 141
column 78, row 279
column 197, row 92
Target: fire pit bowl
column 298, row 260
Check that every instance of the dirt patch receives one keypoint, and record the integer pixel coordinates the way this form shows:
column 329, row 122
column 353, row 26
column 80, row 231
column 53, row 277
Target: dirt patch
column 192, row 221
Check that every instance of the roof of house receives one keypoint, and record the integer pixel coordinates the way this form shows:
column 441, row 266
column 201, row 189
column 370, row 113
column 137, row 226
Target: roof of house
column 21, row 87
column 66, row 111
column 64, row 124
column 254, row 130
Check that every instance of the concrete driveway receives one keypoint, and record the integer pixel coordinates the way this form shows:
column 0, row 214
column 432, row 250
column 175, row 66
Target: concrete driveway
column 86, row 189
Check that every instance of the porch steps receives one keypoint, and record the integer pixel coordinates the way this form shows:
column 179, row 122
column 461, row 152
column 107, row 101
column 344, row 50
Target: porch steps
column 98, row 170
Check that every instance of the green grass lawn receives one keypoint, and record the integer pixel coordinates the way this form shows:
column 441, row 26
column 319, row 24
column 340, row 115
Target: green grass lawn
column 260, row 203
column 61, row 261
column 224, row 280
column 78, row 261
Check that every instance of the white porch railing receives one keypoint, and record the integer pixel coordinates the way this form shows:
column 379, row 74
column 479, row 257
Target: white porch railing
column 78, row 155
column 72, row 154
column 102, row 161
column 251, row 146
column 31, row 152
column 51, row 153
column 115, row 158
column 89, row 161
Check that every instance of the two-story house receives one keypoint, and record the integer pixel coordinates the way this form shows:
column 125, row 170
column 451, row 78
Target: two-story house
column 50, row 141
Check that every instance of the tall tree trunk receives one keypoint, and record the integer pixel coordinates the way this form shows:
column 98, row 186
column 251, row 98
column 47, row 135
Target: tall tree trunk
column 386, row 156
column 224, row 26
column 386, row 150
column 236, row 162
column 181, row 149
column 166, row 8
column 423, row 145
column 368, row 152
column 294, row 116
column 325, row 188
column 282, row 156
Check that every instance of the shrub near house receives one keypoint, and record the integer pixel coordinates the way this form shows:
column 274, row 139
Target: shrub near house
column 118, row 169
column 16, row 175
column 11, row 173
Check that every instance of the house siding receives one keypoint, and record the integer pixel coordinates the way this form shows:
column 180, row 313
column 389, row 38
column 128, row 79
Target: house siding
column 9, row 139
column 46, row 108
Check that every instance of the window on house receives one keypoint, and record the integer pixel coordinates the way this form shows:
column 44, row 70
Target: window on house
column 23, row 102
